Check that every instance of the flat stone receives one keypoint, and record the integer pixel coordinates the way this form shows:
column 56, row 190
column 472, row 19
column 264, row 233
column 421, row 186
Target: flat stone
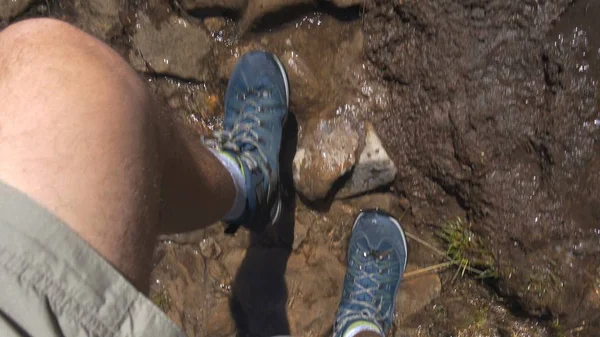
column 328, row 149
column 209, row 4
column 301, row 228
column 256, row 9
column 314, row 289
column 404, row 203
column 385, row 201
column 312, row 93
column 416, row 293
column 348, row 3
column 219, row 317
column 252, row 10
column 233, row 260
column 176, row 48
column 373, row 169
column 214, row 24
column 99, row 18
column 179, row 282
column 12, row 8
column 209, row 248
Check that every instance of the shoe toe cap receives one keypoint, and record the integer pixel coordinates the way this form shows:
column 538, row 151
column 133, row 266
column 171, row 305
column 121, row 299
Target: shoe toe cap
column 381, row 229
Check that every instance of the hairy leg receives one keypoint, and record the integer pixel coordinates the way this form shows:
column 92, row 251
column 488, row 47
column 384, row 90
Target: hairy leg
column 81, row 135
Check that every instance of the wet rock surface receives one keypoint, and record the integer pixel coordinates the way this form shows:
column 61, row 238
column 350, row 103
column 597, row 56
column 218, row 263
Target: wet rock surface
column 176, row 47
column 251, row 12
column 493, row 109
column 9, row 8
column 99, row 17
column 487, row 109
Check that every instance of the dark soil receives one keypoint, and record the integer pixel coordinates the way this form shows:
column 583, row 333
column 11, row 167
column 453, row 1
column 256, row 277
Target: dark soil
column 495, row 104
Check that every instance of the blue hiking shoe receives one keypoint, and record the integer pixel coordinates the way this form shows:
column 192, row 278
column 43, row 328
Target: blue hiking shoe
column 376, row 261
column 256, row 107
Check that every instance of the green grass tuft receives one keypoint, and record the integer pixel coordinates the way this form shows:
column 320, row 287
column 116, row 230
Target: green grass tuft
column 466, row 249
column 161, row 299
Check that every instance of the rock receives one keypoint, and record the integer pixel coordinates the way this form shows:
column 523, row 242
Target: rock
column 404, row 203
column 232, row 260
column 312, row 93
column 218, row 272
column 301, row 227
column 180, row 276
column 176, row 48
column 229, row 59
column 348, row 3
column 209, row 248
column 99, row 17
column 409, row 332
column 253, row 10
column 214, row 24
column 221, row 322
column 416, row 293
column 256, row 9
column 328, row 150
column 385, row 201
column 12, row 8
column 374, row 168
column 314, row 288
column 208, row 4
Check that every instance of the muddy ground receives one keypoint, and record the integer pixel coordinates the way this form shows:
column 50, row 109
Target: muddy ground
column 489, row 110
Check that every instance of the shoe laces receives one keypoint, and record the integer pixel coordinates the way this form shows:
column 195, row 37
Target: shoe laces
column 368, row 282
column 243, row 138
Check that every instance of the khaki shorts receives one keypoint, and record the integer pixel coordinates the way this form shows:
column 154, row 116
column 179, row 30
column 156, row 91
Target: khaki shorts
column 53, row 284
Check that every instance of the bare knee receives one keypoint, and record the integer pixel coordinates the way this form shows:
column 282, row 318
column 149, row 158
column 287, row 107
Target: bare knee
column 48, row 47
column 32, row 39
column 38, row 28
column 54, row 62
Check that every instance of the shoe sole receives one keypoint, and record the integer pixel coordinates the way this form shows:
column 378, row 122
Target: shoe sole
column 381, row 212
column 285, row 81
column 287, row 96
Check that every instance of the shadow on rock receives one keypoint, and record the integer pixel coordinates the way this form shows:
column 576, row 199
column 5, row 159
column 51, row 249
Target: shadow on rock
column 282, row 16
column 260, row 294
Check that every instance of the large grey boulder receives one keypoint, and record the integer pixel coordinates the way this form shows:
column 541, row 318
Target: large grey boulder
column 374, row 168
